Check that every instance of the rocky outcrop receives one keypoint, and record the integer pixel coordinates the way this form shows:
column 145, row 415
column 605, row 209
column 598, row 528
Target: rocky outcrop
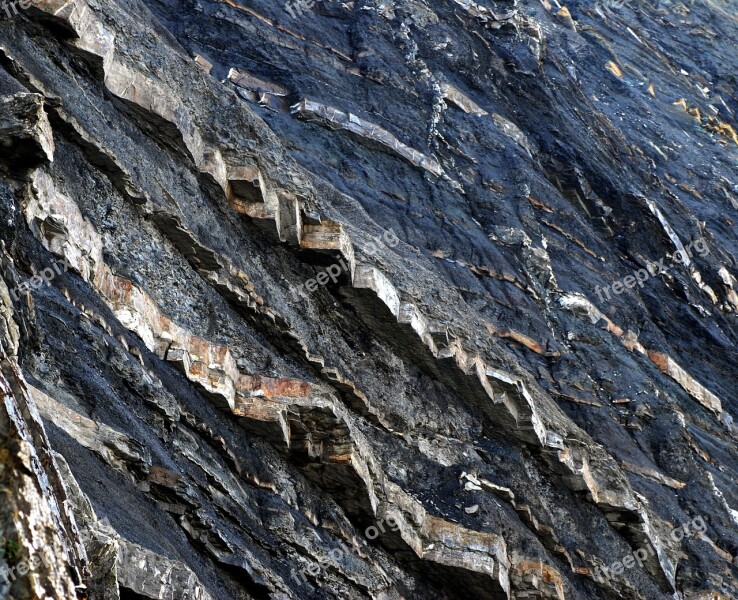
column 286, row 412
column 584, row 308
column 260, row 383
column 506, row 399
column 117, row 563
column 41, row 553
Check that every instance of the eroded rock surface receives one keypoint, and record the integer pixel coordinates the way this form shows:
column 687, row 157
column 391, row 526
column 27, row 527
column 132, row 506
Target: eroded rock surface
column 390, row 300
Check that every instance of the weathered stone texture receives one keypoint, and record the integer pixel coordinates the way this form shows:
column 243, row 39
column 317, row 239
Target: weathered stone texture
column 424, row 270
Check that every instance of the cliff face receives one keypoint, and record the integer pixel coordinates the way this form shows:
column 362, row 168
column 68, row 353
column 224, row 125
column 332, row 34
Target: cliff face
column 368, row 299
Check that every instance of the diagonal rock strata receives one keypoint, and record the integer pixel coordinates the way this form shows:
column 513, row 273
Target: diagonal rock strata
column 119, row 563
column 315, row 431
column 308, row 424
column 34, row 524
column 512, row 407
column 335, row 118
column 580, row 306
column 229, row 280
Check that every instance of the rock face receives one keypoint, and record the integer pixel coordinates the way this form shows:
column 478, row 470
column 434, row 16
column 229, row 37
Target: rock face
column 368, row 300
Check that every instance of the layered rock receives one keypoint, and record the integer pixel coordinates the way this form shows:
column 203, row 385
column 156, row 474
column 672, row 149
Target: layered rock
column 353, row 403
column 316, row 431
column 335, row 118
column 41, row 552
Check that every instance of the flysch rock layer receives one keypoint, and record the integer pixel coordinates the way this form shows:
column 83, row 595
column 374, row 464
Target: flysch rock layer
column 142, row 92
column 42, row 553
column 339, row 458
column 328, row 445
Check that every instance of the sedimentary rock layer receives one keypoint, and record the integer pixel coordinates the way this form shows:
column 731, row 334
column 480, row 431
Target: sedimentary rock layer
column 393, row 300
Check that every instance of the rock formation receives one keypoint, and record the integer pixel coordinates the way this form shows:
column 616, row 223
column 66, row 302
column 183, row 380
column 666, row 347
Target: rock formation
column 368, row 300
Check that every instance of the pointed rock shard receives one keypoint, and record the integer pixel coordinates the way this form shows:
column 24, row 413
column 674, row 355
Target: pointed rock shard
column 514, row 133
column 369, row 132
column 248, row 81
column 462, row 101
